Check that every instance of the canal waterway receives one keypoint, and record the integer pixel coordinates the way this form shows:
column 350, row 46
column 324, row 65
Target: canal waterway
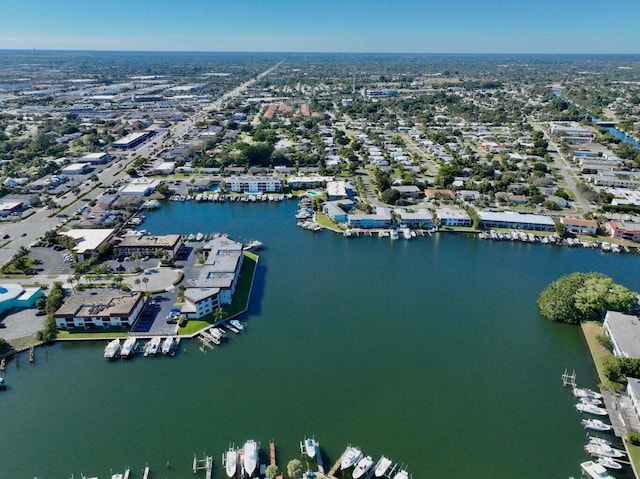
column 431, row 352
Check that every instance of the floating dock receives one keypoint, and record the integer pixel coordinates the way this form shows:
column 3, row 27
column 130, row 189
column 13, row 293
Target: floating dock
column 272, row 453
column 335, row 467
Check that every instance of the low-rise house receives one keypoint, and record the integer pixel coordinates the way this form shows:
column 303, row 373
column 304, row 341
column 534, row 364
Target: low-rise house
column 102, row 310
column 513, row 220
column 421, row 218
column 579, row 226
column 408, row 191
column 381, row 219
column 453, row 217
column 627, row 230
column 624, row 332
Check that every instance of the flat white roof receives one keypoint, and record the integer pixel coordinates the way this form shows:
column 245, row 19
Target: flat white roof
column 511, row 216
column 75, row 167
column 94, row 156
column 88, row 239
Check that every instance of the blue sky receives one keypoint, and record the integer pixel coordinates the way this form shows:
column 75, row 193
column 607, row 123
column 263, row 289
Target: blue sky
column 430, row 26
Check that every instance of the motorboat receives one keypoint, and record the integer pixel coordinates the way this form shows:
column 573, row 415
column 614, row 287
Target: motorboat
column 199, row 236
column 362, row 467
column 154, row 344
column 350, row 457
column 599, row 440
column 586, row 393
column 112, row 349
column 237, row 324
column 596, row 425
column 592, row 401
column 255, row 244
column 250, row 457
column 591, row 409
column 128, row 347
column 609, row 463
column 381, row 467
column 594, row 470
column 602, row 450
column 402, row 474
column 231, row 462
column 167, row 345
column 394, row 235
column 310, row 447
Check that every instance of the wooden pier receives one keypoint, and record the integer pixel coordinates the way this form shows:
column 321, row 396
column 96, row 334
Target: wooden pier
column 272, row 453
column 335, row 467
column 31, row 354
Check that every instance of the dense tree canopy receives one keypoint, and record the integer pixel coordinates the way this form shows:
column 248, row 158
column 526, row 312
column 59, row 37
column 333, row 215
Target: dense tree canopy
column 584, row 296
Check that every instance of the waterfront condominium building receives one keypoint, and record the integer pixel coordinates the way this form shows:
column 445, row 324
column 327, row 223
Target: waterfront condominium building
column 253, row 184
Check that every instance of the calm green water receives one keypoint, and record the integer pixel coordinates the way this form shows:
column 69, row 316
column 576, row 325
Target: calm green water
column 431, row 352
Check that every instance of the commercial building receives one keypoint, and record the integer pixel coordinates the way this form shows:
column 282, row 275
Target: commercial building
column 15, row 296
column 88, row 241
column 614, row 181
column 150, row 245
column 95, row 158
column 9, row 207
column 101, row 310
column 139, row 187
column 253, row 184
column 75, row 169
column 132, row 140
column 513, row 220
column 624, row 332
column 578, row 226
column 165, row 168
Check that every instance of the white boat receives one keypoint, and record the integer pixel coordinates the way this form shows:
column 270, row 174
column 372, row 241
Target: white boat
column 154, row 344
column 596, row 425
column 599, row 440
column 237, row 324
column 592, row 401
column 394, row 235
column 255, row 244
column 167, row 345
column 402, row 474
column 594, row 470
column 381, row 467
column 199, row 236
column 350, row 457
column 362, row 467
column 591, row 409
column 231, row 462
column 602, row 450
column 609, row 463
column 586, row 393
column 128, row 347
column 250, row 456
column 310, row 447
column 112, row 349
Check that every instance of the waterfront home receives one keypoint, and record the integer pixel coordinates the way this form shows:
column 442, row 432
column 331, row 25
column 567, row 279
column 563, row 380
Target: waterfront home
column 628, row 230
column 102, row 310
column 334, row 211
column 421, row 218
column 148, row 245
column 253, row 184
column 578, row 226
column 453, row 217
column 624, row 332
column 514, row 220
column 381, row 219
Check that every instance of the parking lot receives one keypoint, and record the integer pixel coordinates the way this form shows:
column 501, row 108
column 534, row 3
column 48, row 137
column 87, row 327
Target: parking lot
column 49, row 261
column 154, row 317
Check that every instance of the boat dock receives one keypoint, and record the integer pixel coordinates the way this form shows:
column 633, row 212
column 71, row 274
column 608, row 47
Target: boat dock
column 335, row 468
column 272, row 453
column 206, row 464
column 31, row 354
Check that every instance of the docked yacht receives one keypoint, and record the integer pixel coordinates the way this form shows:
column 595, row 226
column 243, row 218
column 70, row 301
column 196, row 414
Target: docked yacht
column 128, row 347
column 609, row 463
column 112, row 349
column 596, row 425
column 350, row 457
column 591, row 409
column 381, row 467
column 167, row 345
column 402, row 474
column 594, row 470
column 255, row 244
column 362, row 467
column 602, row 450
column 250, row 457
column 236, row 324
column 310, row 447
column 231, row 461
column 586, row 393
column 154, row 344
column 394, row 235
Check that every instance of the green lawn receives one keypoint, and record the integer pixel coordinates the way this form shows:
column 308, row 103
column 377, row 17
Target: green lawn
column 634, row 456
column 592, row 329
column 325, row 221
column 97, row 333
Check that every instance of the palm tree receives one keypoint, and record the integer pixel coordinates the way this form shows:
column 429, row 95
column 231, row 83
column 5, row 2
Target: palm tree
column 218, row 314
column 137, row 282
column 145, row 280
